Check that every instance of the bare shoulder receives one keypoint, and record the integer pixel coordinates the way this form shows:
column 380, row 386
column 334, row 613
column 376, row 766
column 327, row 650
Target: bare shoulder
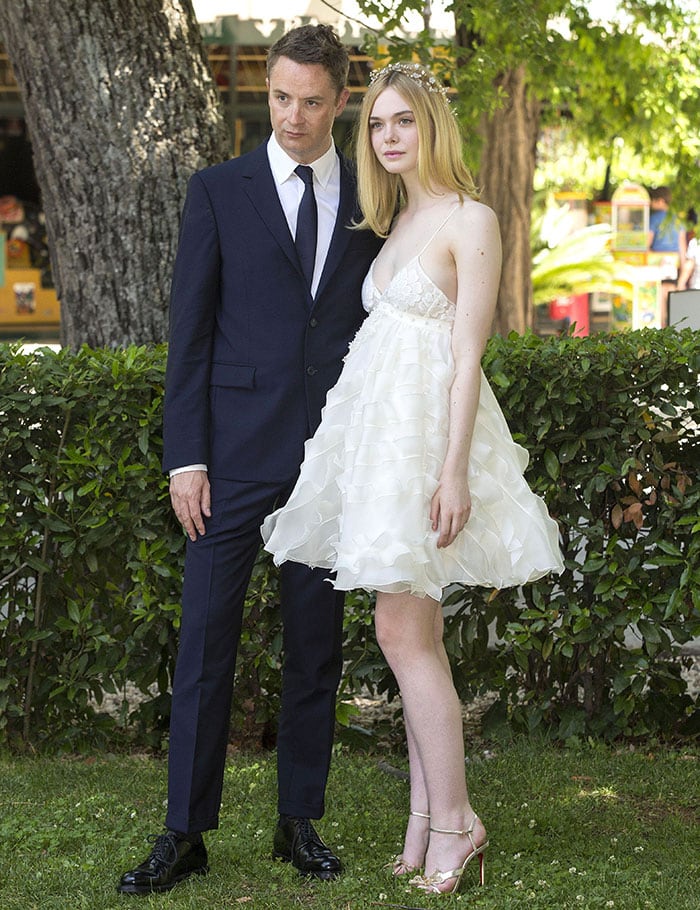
column 474, row 228
column 475, row 215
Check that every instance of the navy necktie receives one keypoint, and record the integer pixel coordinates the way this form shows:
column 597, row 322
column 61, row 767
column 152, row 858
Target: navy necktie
column 307, row 223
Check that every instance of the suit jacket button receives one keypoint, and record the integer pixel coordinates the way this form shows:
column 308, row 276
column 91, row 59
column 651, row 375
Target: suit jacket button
column 313, row 322
column 311, row 371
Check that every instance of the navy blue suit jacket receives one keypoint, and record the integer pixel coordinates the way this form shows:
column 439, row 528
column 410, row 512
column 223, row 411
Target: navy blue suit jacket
column 251, row 354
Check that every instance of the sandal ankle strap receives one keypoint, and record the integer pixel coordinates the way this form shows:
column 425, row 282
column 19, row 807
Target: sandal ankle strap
column 419, row 814
column 466, row 832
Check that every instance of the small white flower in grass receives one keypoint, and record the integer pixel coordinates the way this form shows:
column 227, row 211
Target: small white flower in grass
column 516, row 856
column 612, row 858
column 639, row 849
column 580, row 897
column 132, row 814
column 555, row 862
column 498, row 804
column 382, row 897
column 613, row 840
column 359, row 839
column 334, row 824
column 531, row 823
column 610, row 903
column 572, row 870
column 518, row 883
column 542, row 883
column 523, row 805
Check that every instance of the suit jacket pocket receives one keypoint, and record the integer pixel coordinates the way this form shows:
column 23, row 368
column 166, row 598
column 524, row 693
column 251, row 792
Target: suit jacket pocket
column 233, row 375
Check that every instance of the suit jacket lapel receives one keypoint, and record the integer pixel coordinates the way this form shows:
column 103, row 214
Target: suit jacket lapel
column 347, row 210
column 260, row 187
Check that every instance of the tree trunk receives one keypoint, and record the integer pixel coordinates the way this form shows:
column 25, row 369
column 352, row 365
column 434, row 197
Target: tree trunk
column 506, row 178
column 121, row 109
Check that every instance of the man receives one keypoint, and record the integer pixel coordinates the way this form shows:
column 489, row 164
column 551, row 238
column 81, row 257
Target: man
column 667, row 236
column 265, row 299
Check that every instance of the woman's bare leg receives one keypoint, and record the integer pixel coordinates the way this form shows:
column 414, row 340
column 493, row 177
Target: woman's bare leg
column 416, row 839
column 406, row 632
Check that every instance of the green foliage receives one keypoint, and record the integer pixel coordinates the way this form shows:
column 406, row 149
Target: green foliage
column 611, row 426
column 91, row 558
column 91, row 564
column 567, row 261
column 625, row 76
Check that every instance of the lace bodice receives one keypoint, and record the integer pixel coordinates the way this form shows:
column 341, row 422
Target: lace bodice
column 411, row 291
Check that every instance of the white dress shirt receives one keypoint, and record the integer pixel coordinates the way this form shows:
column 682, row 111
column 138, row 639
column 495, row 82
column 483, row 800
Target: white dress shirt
column 290, row 189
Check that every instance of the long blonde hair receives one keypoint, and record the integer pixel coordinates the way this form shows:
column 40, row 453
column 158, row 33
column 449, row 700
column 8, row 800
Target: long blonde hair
column 440, row 162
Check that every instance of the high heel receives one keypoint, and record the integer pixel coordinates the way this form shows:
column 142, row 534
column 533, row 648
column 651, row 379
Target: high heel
column 398, row 865
column 432, row 882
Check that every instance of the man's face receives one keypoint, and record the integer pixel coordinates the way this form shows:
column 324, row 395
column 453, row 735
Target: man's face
column 303, row 105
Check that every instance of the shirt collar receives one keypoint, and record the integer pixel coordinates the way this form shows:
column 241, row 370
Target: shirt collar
column 283, row 166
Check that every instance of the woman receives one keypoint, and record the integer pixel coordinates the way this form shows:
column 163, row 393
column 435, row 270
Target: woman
column 412, row 480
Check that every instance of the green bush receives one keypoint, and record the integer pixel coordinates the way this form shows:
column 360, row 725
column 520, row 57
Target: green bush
column 611, row 423
column 91, row 558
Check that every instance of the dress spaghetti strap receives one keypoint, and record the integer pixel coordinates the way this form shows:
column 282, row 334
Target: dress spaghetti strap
column 438, row 229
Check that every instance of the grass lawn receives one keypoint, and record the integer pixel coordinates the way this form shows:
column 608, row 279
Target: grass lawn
column 596, row 827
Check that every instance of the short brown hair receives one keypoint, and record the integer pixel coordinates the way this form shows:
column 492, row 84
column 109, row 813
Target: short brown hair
column 313, row 44
column 661, row 192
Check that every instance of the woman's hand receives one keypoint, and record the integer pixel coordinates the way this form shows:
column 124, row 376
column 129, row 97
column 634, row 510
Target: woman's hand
column 450, row 509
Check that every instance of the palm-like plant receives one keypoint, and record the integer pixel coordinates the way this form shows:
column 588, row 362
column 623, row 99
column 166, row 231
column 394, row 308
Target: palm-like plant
column 580, row 262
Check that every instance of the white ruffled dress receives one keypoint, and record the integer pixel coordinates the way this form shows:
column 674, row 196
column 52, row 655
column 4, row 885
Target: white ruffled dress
column 361, row 504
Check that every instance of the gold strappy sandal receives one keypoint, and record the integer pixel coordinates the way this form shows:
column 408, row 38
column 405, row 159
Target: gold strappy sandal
column 398, row 865
column 432, row 882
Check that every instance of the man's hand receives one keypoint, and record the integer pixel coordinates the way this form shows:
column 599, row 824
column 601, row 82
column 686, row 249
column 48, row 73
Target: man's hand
column 190, row 495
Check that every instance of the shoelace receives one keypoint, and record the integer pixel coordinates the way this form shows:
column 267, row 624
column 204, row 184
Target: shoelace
column 164, row 848
column 307, row 831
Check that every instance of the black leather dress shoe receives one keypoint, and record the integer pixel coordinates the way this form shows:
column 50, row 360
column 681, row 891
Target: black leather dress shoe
column 172, row 859
column 297, row 842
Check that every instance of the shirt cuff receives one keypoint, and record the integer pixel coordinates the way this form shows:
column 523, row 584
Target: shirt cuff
column 185, row 468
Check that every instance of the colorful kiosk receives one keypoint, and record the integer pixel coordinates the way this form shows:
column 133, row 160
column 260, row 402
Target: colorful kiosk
column 630, row 226
column 29, row 307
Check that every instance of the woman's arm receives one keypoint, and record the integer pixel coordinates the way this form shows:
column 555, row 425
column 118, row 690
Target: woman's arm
column 475, row 244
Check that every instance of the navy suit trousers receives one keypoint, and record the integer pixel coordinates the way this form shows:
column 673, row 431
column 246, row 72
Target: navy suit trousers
column 218, row 567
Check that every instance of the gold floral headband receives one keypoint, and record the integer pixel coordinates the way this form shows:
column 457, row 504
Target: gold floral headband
column 415, row 71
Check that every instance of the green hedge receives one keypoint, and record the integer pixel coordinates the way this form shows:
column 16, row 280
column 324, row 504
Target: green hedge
column 91, row 558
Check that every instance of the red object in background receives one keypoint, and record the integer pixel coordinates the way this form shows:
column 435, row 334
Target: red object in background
column 574, row 310
column 11, row 210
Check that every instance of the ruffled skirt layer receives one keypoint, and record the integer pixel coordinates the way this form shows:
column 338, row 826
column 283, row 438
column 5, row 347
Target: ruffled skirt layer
column 361, row 505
